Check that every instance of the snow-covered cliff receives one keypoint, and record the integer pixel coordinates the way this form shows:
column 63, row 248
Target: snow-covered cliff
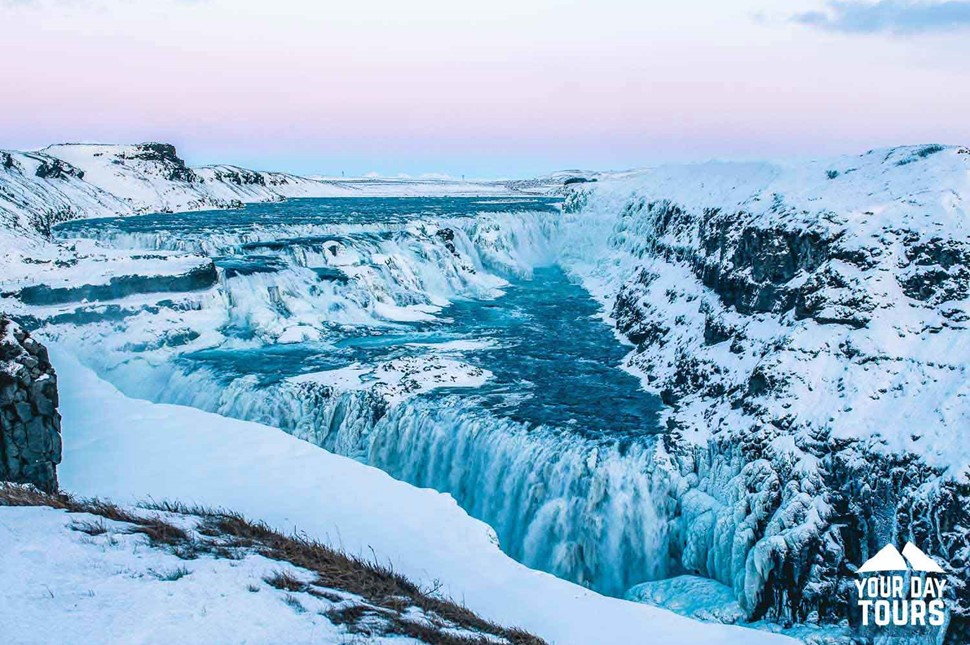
column 808, row 322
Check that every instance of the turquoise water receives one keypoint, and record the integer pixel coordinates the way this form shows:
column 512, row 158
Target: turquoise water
column 553, row 361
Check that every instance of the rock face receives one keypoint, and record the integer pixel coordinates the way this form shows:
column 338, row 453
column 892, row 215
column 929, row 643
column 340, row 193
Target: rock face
column 30, row 426
column 165, row 159
column 808, row 324
column 49, row 168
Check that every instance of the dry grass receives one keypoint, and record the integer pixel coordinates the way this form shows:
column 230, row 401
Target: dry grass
column 287, row 581
column 92, row 528
column 224, row 534
column 159, row 532
column 171, row 575
column 376, row 583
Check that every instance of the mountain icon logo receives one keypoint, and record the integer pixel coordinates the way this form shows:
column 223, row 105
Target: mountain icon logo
column 890, row 559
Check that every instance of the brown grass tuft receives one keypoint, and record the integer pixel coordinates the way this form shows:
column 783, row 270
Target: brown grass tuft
column 285, row 580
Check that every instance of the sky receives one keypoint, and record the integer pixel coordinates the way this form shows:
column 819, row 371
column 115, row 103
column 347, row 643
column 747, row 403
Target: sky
column 495, row 89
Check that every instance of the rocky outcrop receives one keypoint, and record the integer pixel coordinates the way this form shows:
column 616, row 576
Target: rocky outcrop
column 238, row 176
column 30, row 426
column 164, row 157
column 201, row 277
column 49, row 168
column 784, row 508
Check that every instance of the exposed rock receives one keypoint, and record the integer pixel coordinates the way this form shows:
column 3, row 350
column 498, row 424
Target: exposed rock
column 50, row 168
column 164, row 155
column 447, row 236
column 30, row 439
column 937, row 270
column 201, row 277
column 238, row 176
column 7, row 162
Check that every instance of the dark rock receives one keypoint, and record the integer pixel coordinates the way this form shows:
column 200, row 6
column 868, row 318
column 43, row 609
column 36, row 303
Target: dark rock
column 447, row 236
column 7, row 162
column 937, row 270
column 829, row 296
column 23, row 410
column 201, row 277
column 715, row 331
column 163, row 154
column 239, row 176
column 51, row 168
column 30, row 442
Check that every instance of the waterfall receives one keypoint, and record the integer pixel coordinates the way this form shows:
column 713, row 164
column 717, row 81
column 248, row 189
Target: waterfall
column 591, row 511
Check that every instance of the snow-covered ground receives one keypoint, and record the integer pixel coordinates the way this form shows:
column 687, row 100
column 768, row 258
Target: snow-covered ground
column 149, row 451
column 63, row 182
column 863, row 252
column 58, row 584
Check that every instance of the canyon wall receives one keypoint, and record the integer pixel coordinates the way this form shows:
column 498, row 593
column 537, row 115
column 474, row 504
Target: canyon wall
column 808, row 324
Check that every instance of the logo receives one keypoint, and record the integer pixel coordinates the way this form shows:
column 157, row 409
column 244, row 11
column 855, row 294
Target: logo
column 901, row 589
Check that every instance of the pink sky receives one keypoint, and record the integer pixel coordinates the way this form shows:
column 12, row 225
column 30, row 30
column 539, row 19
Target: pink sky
column 498, row 88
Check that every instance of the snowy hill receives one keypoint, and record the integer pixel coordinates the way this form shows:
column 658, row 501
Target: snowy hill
column 808, row 322
column 193, row 575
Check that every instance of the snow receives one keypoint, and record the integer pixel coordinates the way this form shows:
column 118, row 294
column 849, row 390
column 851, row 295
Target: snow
column 897, row 384
column 906, row 392
column 408, row 376
column 402, row 378
column 345, row 378
column 94, row 264
column 142, row 450
column 58, row 584
column 693, row 596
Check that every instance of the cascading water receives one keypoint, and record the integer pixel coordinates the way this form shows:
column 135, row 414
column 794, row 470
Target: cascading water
column 393, row 317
